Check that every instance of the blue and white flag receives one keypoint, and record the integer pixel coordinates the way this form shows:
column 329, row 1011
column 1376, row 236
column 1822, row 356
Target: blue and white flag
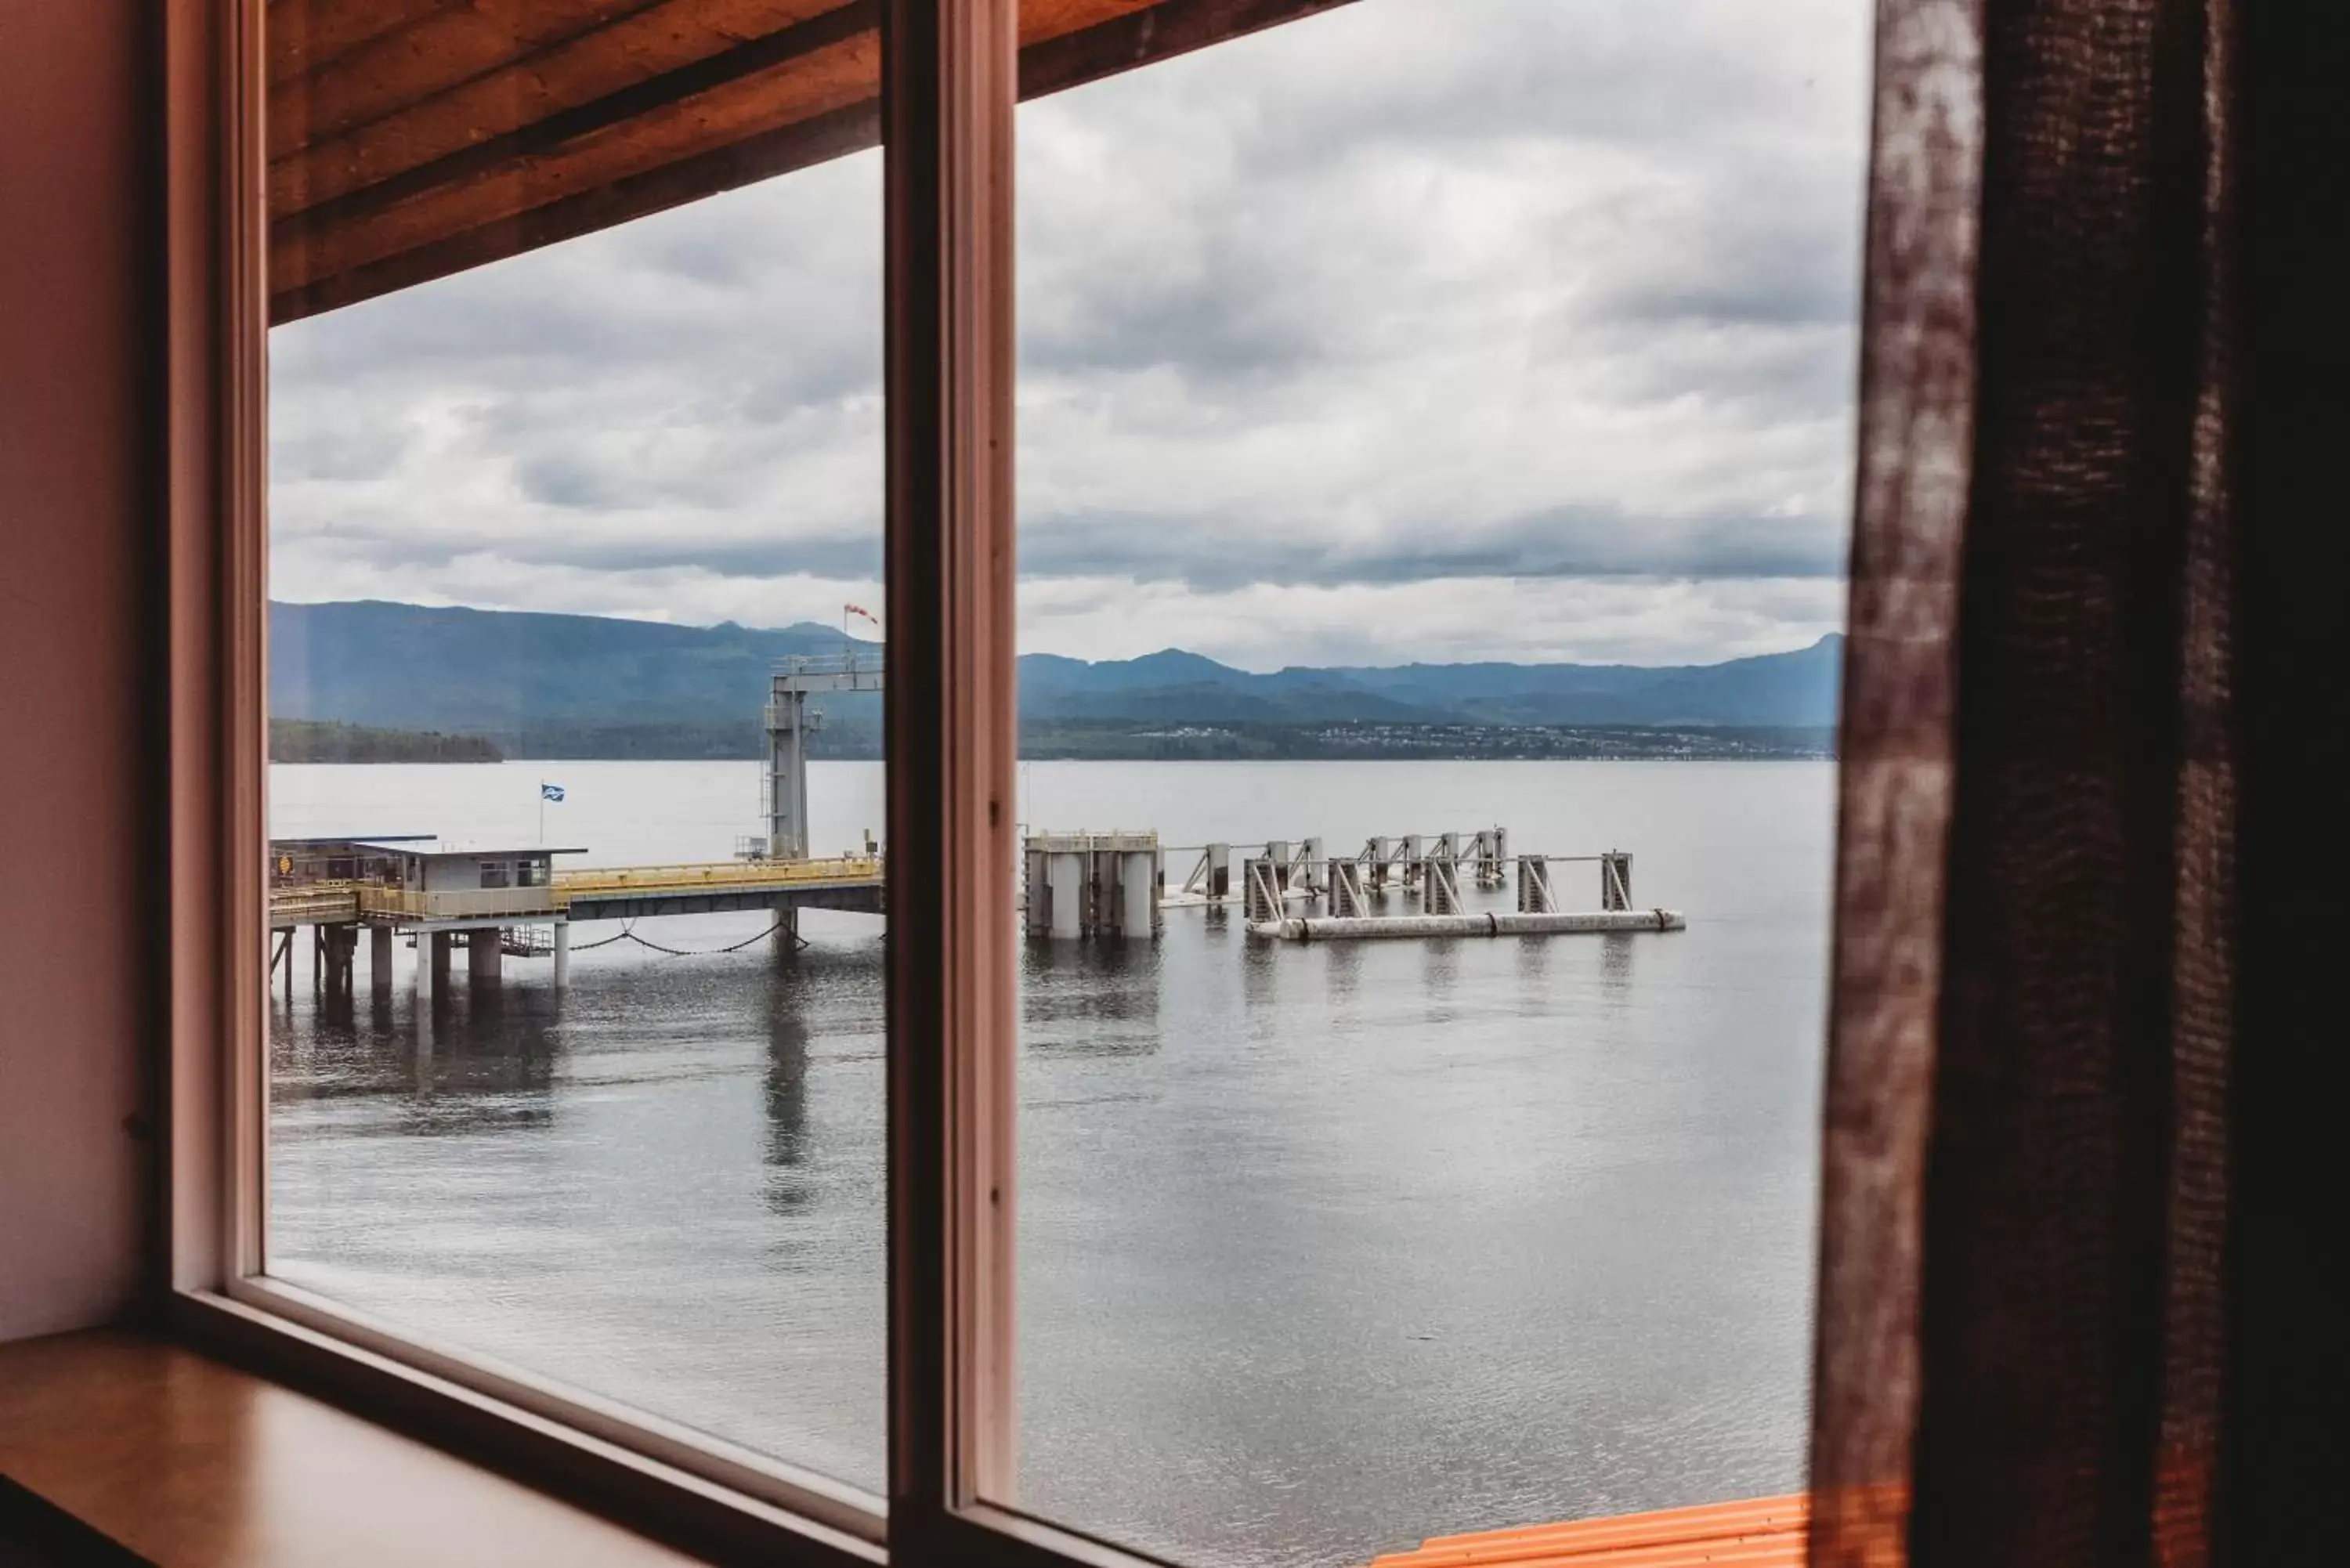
column 550, row 792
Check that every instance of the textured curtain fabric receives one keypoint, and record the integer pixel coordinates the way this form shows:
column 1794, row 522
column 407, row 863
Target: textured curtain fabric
column 2074, row 1221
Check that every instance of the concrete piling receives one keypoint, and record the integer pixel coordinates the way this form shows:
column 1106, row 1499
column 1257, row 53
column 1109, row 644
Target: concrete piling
column 1138, row 887
column 1092, row 884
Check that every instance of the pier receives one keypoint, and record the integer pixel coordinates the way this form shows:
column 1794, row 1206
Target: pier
column 498, row 900
column 493, row 900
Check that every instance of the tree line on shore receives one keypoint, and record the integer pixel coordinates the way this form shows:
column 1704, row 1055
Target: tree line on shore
column 320, row 741
column 312, row 741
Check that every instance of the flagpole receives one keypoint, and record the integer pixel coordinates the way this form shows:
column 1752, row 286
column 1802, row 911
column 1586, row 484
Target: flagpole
column 542, row 814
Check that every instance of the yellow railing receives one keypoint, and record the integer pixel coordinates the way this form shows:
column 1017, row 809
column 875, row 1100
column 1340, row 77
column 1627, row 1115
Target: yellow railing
column 458, row 904
column 314, row 901
column 740, row 873
column 326, row 902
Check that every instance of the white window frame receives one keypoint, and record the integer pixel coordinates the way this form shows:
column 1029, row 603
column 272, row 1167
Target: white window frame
column 951, row 78
column 951, row 74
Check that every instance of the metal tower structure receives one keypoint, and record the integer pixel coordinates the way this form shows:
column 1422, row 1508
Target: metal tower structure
column 790, row 722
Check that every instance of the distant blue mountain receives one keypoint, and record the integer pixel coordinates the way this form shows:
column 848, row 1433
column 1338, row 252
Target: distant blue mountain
column 1792, row 688
column 509, row 674
column 498, row 672
column 1797, row 688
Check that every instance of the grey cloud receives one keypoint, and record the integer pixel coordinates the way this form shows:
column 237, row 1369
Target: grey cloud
column 1248, row 277
column 1210, row 555
column 1416, row 290
column 337, row 451
column 558, row 478
column 1561, row 543
column 1608, row 73
column 837, row 558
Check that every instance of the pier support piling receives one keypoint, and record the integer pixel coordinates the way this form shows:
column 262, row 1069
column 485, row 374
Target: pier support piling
column 1096, row 884
column 1492, row 850
column 1312, row 867
column 1347, row 890
column 1616, row 880
column 562, row 955
column 1536, row 895
column 1440, row 885
column 482, row 954
column 342, row 956
column 379, row 958
column 1137, row 888
column 1260, row 882
column 1066, row 890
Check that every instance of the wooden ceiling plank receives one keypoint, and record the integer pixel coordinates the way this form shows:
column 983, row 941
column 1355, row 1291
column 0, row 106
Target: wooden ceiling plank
column 301, row 254
column 299, row 36
column 751, row 127
column 800, row 145
column 642, row 45
column 837, row 75
column 433, row 54
column 389, row 149
column 549, row 136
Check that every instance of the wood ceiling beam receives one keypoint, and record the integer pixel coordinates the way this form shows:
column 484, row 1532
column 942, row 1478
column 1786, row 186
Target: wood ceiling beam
column 444, row 48
column 815, row 68
column 778, row 151
column 442, row 116
column 300, row 35
column 714, row 126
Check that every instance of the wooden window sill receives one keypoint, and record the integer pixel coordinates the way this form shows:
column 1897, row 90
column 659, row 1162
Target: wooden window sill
column 186, row 1462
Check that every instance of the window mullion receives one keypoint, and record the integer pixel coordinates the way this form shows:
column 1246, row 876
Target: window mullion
column 949, row 82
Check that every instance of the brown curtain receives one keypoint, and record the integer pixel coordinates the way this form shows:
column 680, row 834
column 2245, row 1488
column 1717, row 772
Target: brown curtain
column 2076, row 1216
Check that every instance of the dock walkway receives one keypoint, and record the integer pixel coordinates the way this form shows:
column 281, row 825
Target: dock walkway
column 852, row 882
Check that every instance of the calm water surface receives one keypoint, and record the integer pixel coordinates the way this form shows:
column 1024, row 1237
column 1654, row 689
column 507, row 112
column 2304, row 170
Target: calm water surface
column 1322, row 1249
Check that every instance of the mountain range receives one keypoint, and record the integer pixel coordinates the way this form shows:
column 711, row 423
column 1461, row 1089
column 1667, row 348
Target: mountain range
column 618, row 687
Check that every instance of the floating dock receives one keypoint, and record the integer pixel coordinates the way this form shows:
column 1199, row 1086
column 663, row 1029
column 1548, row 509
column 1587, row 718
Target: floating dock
column 1115, row 883
column 1350, row 889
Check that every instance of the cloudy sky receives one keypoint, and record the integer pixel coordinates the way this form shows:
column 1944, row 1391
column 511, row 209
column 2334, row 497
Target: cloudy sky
column 1437, row 329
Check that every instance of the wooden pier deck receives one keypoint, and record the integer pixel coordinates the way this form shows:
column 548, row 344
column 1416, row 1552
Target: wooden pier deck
column 852, row 882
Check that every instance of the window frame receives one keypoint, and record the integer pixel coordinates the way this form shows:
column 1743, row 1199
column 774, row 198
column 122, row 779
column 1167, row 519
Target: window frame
column 949, row 83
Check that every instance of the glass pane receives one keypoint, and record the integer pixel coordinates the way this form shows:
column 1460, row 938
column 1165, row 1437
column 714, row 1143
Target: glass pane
column 1436, row 429
column 576, row 1012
